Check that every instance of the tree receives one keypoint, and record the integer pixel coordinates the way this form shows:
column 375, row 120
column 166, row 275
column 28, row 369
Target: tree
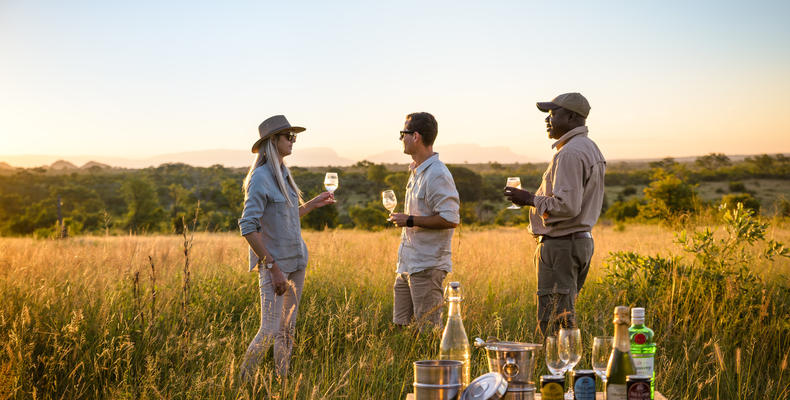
column 370, row 217
column 467, row 182
column 142, row 205
column 377, row 173
column 713, row 161
column 668, row 195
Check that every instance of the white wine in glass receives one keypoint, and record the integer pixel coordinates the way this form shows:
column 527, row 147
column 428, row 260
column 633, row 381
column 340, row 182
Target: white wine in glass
column 389, row 200
column 330, row 182
column 514, row 181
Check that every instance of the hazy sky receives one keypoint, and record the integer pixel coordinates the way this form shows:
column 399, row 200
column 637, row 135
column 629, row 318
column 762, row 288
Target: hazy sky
column 139, row 78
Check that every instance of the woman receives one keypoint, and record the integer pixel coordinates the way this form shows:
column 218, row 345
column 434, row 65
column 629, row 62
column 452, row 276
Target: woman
column 270, row 223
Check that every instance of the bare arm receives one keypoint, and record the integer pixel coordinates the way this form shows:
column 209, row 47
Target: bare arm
column 319, row 201
column 429, row 222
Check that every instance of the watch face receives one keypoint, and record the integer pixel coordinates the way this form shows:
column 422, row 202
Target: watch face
column 269, row 266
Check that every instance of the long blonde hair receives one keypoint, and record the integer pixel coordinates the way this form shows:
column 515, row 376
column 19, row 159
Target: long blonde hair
column 267, row 154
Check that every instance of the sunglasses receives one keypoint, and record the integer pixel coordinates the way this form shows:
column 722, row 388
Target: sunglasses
column 406, row 132
column 290, row 136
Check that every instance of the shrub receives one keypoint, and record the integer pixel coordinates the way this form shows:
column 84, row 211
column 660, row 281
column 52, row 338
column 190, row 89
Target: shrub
column 731, row 200
column 737, row 187
column 622, row 210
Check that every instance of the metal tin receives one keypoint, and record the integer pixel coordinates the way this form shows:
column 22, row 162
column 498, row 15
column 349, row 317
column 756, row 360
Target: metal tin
column 437, row 379
column 490, row 386
column 584, row 384
column 637, row 387
column 552, row 387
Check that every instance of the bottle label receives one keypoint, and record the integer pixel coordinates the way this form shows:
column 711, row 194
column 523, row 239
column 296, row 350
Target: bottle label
column 639, row 391
column 584, row 388
column 640, row 338
column 644, row 364
column 615, row 391
column 553, row 391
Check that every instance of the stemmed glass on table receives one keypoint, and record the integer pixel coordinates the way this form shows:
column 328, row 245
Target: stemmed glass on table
column 514, row 181
column 331, row 182
column 554, row 362
column 389, row 200
column 570, row 349
column 602, row 348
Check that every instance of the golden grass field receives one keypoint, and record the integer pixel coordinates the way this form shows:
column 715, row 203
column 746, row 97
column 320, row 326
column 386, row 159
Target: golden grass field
column 88, row 317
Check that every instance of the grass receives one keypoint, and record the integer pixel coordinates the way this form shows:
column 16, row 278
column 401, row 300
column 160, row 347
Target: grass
column 94, row 317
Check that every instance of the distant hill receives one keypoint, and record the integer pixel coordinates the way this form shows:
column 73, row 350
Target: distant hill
column 62, row 165
column 94, row 164
column 304, row 157
column 458, row 154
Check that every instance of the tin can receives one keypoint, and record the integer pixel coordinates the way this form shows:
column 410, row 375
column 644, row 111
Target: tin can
column 584, row 384
column 552, row 387
column 637, row 387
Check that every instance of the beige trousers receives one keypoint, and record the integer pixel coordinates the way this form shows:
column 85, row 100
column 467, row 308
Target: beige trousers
column 278, row 320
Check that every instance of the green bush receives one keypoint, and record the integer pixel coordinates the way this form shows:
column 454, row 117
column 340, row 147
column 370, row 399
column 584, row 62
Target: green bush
column 623, row 210
column 730, row 201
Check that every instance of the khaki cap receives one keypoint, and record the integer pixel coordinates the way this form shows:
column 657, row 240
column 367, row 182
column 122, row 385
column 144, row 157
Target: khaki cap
column 569, row 101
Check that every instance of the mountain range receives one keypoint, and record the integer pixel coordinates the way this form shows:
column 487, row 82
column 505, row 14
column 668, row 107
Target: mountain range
column 306, row 157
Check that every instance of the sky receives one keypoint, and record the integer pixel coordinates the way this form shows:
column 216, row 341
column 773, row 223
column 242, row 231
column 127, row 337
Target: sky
column 136, row 79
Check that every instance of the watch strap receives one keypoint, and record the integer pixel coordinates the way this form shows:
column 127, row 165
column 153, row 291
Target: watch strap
column 410, row 221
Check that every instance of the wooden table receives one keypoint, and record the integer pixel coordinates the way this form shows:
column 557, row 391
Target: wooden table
column 598, row 396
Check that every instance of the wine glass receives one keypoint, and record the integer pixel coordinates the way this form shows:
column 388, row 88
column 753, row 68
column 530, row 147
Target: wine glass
column 602, row 348
column 330, row 182
column 389, row 200
column 553, row 360
column 514, row 181
column 570, row 348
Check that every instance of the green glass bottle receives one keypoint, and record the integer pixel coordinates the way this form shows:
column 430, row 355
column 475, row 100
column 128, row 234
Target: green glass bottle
column 643, row 347
column 620, row 362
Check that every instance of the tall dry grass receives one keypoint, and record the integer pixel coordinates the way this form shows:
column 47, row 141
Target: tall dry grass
column 102, row 317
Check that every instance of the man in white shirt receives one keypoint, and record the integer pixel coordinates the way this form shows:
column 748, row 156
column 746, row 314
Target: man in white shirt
column 429, row 218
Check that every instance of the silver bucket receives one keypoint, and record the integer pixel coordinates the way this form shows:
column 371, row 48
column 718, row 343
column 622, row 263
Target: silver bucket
column 514, row 360
column 437, row 379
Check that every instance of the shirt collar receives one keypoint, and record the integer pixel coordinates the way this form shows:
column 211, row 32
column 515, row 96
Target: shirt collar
column 425, row 164
column 579, row 130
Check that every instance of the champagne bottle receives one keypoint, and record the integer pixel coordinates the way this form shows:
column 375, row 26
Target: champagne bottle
column 455, row 344
column 620, row 362
column 643, row 347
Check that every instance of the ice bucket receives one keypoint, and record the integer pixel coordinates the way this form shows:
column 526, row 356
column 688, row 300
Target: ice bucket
column 437, row 379
column 514, row 360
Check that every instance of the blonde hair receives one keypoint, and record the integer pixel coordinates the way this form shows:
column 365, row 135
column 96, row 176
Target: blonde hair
column 267, row 154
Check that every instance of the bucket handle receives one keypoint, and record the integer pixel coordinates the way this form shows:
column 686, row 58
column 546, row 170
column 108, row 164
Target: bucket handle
column 510, row 368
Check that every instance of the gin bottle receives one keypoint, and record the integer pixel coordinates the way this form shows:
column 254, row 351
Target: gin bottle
column 455, row 344
column 643, row 347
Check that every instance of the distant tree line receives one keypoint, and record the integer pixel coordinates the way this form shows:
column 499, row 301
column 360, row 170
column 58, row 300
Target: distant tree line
column 161, row 199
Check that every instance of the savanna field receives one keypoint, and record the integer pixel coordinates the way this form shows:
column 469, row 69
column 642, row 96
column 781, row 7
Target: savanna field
column 115, row 317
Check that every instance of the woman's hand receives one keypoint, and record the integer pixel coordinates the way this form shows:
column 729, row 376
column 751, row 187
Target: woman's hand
column 278, row 280
column 323, row 199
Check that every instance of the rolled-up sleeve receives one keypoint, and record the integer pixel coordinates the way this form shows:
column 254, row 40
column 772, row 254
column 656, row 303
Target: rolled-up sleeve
column 565, row 201
column 254, row 204
column 442, row 198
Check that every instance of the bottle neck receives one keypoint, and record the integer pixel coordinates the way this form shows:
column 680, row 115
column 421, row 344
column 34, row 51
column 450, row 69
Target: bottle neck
column 454, row 309
column 622, row 340
column 637, row 321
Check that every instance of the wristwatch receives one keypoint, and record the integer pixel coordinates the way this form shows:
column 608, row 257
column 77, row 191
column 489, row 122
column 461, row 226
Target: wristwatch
column 410, row 221
column 268, row 265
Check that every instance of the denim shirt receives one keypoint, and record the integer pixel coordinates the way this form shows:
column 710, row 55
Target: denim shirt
column 430, row 191
column 267, row 211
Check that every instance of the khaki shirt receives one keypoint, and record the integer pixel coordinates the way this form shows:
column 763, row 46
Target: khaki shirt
column 267, row 211
column 430, row 191
column 570, row 197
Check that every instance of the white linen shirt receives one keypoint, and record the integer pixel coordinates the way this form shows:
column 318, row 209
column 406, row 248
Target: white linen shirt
column 430, row 191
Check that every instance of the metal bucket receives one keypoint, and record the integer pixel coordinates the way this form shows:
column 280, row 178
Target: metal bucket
column 437, row 379
column 515, row 360
column 520, row 392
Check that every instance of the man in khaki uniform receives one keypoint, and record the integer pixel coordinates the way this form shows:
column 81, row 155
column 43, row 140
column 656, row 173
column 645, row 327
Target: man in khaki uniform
column 564, row 210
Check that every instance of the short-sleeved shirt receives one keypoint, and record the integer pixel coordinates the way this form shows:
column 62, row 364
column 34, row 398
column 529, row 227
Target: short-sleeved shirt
column 571, row 194
column 267, row 211
column 430, row 191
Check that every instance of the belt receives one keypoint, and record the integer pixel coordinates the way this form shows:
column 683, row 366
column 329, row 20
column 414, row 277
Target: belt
column 574, row 235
